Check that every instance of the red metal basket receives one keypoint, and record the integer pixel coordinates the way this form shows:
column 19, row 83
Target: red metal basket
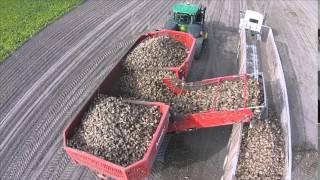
column 212, row 117
column 135, row 171
column 186, row 39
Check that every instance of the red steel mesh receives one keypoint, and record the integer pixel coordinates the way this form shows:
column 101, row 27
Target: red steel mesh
column 212, row 117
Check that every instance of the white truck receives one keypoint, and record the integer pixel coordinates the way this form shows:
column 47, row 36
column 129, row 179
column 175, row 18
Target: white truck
column 252, row 21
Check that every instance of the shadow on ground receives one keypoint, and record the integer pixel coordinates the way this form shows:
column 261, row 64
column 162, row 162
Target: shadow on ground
column 219, row 55
column 194, row 155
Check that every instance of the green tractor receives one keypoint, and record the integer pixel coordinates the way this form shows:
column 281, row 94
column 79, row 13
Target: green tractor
column 189, row 18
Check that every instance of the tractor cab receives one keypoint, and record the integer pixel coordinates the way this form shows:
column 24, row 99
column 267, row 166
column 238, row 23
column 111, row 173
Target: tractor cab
column 185, row 14
column 189, row 18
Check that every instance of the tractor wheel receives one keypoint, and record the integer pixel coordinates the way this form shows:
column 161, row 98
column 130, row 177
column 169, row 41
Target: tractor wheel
column 198, row 49
column 197, row 54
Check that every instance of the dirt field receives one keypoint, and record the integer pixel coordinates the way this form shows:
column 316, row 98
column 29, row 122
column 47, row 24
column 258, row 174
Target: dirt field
column 46, row 81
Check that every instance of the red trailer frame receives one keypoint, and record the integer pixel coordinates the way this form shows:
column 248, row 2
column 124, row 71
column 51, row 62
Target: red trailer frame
column 137, row 170
column 212, row 117
column 186, row 39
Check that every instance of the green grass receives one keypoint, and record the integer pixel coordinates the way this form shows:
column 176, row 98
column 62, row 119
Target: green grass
column 21, row 19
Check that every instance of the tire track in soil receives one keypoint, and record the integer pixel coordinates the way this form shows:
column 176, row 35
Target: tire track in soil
column 58, row 138
column 72, row 171
column 58, row 78
column 36, row 66
column 53, row 35
column 61, row 62
column 22, row 85
column 40, row 129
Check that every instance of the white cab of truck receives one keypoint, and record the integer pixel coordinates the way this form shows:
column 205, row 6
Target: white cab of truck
column 251, row 20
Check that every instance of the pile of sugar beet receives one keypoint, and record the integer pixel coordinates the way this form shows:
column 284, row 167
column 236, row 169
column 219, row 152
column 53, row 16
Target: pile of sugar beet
column 262, row 154
column 121, row 132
